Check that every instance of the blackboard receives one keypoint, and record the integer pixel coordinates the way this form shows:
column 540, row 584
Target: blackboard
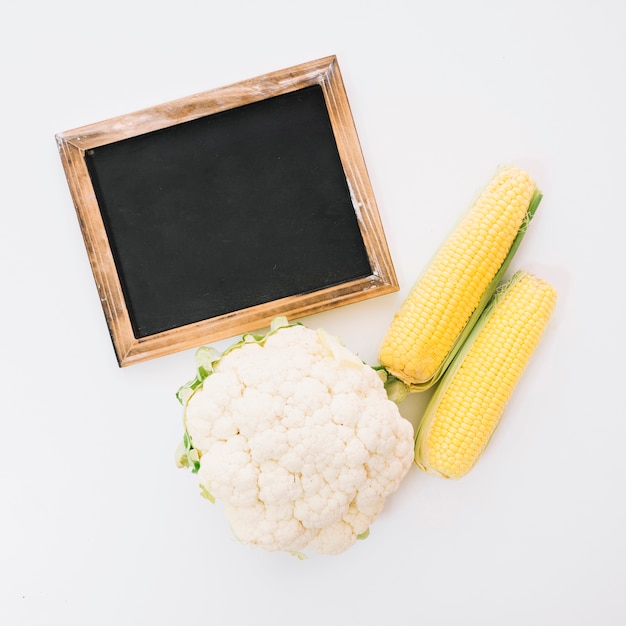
column 208, row 216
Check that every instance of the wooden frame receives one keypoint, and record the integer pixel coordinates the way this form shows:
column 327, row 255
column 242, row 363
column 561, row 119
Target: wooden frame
column 75, row 144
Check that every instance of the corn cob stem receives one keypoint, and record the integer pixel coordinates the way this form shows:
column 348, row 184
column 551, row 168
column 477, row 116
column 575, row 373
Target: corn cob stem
column 448, row 298
column 467, row 406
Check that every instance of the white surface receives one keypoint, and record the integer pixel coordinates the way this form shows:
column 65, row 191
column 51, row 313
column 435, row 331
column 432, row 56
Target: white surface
column 99, row 527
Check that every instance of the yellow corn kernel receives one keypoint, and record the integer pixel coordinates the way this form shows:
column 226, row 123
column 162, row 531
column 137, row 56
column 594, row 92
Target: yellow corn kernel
column 462, row 276
column 467, row 406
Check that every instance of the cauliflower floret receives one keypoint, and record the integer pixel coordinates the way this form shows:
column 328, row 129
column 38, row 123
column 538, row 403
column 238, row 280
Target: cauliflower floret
column 298, row 439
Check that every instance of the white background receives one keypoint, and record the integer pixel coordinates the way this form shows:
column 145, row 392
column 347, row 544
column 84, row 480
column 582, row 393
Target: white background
column 98, row 526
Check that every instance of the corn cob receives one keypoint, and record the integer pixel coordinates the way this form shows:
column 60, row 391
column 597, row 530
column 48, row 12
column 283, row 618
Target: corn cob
column 467, row 406
column 445, row 302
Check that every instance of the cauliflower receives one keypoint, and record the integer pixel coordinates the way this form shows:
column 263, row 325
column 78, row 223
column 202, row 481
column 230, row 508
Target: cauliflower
column 297, row 438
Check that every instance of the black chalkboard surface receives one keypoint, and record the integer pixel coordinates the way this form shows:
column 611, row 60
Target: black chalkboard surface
column 209, row 216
